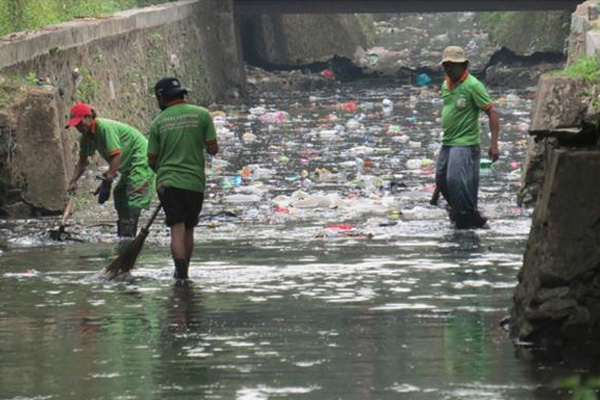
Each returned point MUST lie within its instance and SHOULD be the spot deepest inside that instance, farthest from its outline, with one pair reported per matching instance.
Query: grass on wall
(20, 15)
(585, 67)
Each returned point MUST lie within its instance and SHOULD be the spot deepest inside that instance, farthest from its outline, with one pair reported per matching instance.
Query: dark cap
(169, 87)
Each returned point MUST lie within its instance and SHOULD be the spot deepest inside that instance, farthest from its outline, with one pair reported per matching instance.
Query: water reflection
(373, 296)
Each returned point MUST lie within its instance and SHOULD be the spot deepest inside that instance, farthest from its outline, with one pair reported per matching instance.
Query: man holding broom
(124, 148)
(179, 135)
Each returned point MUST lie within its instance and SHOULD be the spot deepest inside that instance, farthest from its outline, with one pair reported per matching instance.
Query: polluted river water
(321, 271)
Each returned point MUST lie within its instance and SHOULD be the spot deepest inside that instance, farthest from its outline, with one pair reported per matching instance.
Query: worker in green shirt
(124, 148)
(179, 136)
(457, 167)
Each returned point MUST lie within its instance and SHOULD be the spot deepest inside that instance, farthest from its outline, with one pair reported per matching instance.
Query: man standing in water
(179, 135)
(457, 168)
(124, 148)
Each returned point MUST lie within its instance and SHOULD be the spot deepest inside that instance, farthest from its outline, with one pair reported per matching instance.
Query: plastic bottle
(359, 165)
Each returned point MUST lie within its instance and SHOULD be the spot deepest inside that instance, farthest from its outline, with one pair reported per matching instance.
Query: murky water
(372, 295)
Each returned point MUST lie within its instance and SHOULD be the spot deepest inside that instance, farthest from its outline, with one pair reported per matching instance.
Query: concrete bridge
(395, 6)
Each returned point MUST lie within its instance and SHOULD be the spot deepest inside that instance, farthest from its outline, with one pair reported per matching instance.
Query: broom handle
(153, 216)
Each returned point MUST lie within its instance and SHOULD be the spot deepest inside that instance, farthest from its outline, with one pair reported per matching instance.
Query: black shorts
(181, 205)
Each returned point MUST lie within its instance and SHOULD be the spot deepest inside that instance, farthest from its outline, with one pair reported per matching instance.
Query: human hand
(494, 152)
(72, 187)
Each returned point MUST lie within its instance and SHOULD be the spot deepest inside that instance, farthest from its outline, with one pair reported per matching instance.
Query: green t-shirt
(178, 137)
(460, 114)
(111, 138)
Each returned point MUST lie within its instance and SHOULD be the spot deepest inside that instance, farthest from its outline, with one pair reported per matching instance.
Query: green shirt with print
(177, 141)
(109, 138)
(460, 113)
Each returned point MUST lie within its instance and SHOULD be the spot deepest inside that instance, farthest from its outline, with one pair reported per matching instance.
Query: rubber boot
(181, 269)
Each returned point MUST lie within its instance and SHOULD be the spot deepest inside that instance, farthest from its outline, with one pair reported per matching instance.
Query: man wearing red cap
(124, 148)
(179, 136)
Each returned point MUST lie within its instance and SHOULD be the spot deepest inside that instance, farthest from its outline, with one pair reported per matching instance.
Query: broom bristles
(126, 261)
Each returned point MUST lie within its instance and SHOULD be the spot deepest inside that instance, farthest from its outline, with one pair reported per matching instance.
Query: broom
(126, 261)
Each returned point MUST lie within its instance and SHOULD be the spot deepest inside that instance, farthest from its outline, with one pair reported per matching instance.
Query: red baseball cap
(78, 111)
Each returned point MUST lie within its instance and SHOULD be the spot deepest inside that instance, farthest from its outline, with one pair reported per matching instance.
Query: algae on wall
(299, 39)
(527, 32)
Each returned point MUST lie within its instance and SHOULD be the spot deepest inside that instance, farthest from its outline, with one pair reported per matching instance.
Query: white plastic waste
(414, 163)
(387, 106)
(241, 198)
(353, 124)
(258, 110)
(248, 137)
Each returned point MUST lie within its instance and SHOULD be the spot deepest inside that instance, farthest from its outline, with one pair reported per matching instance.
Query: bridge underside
(395, 6)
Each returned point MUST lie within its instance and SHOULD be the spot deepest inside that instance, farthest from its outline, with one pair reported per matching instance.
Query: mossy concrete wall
(525, 33)
(112, 64)
(292, 40)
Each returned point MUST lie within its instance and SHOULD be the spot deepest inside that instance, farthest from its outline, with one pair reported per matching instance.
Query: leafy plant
(87, 89)
(585, 67)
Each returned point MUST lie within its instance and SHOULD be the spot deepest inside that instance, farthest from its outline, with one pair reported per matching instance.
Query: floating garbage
(343, 227)
(328, 73)
(353, 124)
(277, 117)
(237, 181)
(414, 163)
(241, 198)
(249, 137)
(349, 106)
(418, 163)
(260, 110)
(422, 80)
(387, 106)
(485, 163)
(393, 130)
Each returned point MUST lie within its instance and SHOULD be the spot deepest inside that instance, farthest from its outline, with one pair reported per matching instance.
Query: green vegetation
(88, 87)
(19, 15)
(585, 67)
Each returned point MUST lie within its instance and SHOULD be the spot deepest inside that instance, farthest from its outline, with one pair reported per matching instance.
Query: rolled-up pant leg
(462, 180)
(128, 221)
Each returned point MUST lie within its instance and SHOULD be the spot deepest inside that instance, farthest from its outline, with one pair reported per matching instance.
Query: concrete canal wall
(111, 63)
(558, 294)
(275, 41)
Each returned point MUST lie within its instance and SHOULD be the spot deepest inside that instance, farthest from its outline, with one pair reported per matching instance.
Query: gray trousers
(457, 177)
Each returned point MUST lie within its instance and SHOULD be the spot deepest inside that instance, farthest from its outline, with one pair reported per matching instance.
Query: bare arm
(113, 167)
(494, 151)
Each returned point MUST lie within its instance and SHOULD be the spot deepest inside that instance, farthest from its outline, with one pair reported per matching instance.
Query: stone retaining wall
(557, 298)
(111, 63)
